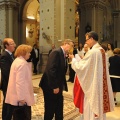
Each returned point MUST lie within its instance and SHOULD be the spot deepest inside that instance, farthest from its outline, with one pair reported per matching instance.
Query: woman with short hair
(114, 70)
(20, 88)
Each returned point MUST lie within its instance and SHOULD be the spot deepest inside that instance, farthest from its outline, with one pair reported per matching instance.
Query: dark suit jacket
(114, 68)
(5, 64)
(49, 52)
(54, 75)
(33, 56)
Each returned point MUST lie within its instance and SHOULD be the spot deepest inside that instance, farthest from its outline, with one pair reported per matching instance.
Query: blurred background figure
(105, 48)
(114, 70)
(35, 57)
(53, 47)
(80, 50)
(86, 48)
(110, 49)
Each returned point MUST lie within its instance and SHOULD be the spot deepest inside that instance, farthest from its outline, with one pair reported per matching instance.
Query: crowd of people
(95, 65)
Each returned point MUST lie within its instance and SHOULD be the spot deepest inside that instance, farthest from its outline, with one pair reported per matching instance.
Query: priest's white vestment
(91, 71)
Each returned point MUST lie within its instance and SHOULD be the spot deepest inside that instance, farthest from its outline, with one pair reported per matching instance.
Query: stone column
(3, 21)
(23, 32)
(69, 18)
(116, 32)
(47, 12)
(8, 10)
(62, 19)
(92, 13)
(57, 22)
(10, 21)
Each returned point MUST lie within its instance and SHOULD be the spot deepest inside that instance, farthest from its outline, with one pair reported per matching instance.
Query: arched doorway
(31, 22)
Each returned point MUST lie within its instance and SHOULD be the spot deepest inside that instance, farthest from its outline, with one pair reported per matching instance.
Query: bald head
(9, 44)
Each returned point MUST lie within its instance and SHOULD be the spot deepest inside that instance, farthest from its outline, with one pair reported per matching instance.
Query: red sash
(78, 95)
(106, 102)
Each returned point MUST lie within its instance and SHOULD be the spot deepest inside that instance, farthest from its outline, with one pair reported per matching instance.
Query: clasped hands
(22, 102)
(71, 56)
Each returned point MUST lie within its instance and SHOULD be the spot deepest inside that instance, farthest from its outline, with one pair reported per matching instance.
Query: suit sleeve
(5, 65)
(52, 70)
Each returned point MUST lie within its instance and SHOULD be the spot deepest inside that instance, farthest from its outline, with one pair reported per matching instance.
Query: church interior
(47, 22)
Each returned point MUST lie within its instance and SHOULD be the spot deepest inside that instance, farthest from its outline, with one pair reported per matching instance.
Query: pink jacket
(20, 83)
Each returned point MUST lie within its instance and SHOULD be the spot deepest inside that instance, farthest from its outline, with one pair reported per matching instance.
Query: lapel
(9, 56)
(63, 69)
(63, 60)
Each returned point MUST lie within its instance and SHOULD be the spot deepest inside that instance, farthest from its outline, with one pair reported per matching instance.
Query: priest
(94, 80)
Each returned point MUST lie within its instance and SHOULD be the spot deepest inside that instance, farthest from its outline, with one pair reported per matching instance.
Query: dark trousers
(9, 112)
(6, 109)
(53, 104)
(35, 61)
(71, 74)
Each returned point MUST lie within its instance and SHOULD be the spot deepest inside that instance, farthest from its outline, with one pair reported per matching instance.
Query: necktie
(65, 58)
(12, 56)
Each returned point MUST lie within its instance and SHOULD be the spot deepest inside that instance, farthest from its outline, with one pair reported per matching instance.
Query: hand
(71, 56)
(22, 102)
(56, 91)
(81, 57)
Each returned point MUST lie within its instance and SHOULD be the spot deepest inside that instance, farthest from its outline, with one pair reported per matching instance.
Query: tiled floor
(115, 115)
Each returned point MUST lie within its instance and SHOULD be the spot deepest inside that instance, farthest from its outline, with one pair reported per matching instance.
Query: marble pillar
(92, 15)
(9, 20)
(116, 20)
(57, 22)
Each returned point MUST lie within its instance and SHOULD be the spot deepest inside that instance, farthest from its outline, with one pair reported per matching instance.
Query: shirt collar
(8, 51)
(63, 50)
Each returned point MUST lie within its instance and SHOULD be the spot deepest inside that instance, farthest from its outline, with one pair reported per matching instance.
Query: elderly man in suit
(53, 81)
(6, 60)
